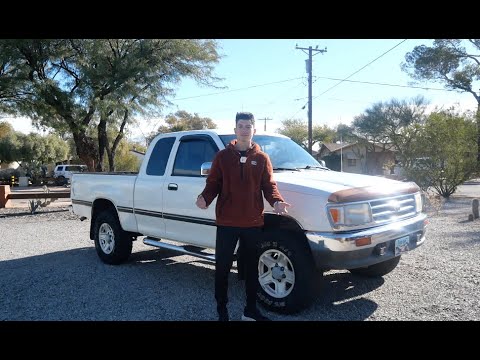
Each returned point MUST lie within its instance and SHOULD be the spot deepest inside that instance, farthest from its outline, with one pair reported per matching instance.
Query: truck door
(184, 221)
(148, 196)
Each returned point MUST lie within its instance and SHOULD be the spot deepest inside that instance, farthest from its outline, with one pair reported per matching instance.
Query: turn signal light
(363, 241)
(335, 215)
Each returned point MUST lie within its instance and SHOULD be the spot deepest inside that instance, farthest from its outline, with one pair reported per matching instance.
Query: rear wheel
(61, 181)
(379, 269)
(113, 245)
(286, 272)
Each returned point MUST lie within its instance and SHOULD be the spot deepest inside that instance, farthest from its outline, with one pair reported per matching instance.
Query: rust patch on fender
(373, 192)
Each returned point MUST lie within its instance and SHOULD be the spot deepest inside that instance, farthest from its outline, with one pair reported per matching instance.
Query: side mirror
(205, 168)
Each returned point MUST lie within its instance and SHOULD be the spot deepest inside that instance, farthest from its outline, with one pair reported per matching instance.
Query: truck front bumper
(344, 250)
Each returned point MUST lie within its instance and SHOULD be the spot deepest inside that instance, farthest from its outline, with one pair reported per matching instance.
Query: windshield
(284, 153)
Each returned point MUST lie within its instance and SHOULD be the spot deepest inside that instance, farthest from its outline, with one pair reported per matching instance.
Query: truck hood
(342, 185)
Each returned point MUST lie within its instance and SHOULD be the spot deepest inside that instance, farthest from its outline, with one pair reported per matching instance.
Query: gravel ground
(50, 271)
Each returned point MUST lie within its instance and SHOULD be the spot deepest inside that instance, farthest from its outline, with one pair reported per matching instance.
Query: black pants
(227, 237)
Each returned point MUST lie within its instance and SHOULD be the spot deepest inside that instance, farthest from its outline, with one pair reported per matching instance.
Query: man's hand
(201, 203)
(280, 207)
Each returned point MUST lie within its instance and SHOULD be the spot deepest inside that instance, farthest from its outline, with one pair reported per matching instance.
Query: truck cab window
(191, 155)
(159, 156)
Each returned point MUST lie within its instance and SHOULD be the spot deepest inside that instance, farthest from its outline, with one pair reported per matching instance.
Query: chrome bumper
(339, 250)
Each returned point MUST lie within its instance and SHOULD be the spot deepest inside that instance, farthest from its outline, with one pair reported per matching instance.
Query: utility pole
(265, 124)
(309, 67)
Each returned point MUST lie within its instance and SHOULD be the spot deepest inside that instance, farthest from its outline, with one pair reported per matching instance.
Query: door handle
(172, 186)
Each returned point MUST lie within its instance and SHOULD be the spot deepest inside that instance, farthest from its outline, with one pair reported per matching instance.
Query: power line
(384, 84)
(239, 89)
(363, 67)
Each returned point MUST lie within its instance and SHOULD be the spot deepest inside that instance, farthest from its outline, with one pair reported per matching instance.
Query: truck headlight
(350, 215)
(418, 202)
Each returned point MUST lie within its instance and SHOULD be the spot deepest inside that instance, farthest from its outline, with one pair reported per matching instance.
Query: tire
(286, 272)
(61, 181)
(379, 269)
(113, 245)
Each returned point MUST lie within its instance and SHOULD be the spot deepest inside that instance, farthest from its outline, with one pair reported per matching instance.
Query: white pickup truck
(336, 220)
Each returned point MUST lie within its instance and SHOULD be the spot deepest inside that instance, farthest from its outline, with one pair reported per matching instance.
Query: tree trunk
(111, 160)
(111, 152)
(102, 143)
(478, 136)
(86, 150)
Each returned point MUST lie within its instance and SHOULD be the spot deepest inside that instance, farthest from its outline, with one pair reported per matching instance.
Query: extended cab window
(73, 168)
(159, 156)
(191, 154)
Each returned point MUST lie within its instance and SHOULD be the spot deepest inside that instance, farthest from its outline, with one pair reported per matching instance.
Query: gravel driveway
(50, 271)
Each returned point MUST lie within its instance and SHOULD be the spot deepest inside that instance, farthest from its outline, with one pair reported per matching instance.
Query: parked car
(63, 173)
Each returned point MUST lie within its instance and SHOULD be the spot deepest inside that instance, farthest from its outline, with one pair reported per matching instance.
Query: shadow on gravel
(38, 212)
(76, 285)
(153, 285)
(339, 298)
(467, 238)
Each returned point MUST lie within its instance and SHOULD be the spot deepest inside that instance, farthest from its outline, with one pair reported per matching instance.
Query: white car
(63, 173)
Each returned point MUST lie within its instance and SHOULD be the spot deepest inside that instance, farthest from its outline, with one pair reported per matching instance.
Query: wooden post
(475, 208)
(4, 192)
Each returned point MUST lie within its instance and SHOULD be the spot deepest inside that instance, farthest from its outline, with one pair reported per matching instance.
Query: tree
(9, 148)
(297, 130)
(125, 160)
(72, 85)
(445, 152)
(182, 120)
(5, 129)
(392, 125)
(32, 150)
(449, 62)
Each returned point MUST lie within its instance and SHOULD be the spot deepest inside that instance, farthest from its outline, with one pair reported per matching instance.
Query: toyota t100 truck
(336, 220)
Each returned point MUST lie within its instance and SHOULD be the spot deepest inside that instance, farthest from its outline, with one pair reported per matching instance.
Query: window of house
(352, 162)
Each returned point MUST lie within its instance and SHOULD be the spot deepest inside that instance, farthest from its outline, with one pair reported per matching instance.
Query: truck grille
(390, 209)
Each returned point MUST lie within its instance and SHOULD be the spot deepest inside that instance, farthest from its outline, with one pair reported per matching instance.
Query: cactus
(33, 205)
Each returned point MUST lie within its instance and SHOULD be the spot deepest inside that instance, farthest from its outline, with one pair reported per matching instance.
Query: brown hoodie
(239, 186)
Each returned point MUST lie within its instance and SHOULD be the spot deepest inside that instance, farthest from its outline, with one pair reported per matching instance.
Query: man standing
(239, 174)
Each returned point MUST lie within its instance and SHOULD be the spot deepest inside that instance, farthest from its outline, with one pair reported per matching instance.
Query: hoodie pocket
(222, 201)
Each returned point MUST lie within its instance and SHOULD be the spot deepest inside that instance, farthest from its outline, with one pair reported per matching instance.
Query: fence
(6, 195)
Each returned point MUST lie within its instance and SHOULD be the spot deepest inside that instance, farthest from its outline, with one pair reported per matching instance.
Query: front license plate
(402, 245)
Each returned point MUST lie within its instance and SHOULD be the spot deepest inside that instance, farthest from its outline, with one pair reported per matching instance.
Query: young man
(239, 174)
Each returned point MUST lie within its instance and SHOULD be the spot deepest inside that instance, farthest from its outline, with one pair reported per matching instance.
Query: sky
(268, 78)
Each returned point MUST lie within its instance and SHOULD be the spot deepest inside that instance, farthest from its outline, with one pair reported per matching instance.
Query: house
(357, 158)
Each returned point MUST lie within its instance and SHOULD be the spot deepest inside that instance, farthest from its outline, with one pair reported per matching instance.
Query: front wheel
(113, 245)
(379, 269)
(286, 272)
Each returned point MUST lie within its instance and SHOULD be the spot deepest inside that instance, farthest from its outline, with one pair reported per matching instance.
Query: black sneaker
(254, 316)
(223, 314)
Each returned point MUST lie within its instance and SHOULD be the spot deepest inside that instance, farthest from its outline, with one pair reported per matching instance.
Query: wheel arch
(285, 223)
(98, 206)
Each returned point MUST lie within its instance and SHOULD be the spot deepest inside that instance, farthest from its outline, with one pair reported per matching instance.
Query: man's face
(244, 130)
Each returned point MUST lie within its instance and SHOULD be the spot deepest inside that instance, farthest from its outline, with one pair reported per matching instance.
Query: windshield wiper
(283, 168)
(313, 167)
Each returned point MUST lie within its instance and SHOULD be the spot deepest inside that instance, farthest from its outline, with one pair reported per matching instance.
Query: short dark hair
(245, 116)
